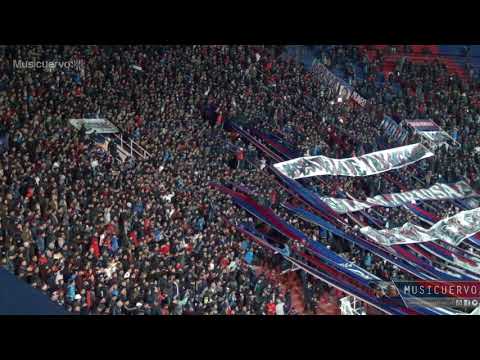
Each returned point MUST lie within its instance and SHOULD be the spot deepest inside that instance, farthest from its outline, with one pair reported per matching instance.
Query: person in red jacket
(89, 299)
(271, 308)
(240, 155)
(230, 311)
(94, 247)
(224, 262)
(133, 238)
(29, 193)
(42, 260)
(220, 119)
(138, 120)
(165, 249)
(147, 225)
(273, 197)
(110, 229)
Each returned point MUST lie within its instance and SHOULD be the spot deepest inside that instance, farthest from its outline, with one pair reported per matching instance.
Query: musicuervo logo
(50, 66)
(463, 294)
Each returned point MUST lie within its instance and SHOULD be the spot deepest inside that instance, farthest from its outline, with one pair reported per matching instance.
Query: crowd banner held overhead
(437, 137)
(431, 219)
(100, 126)
(431, 132)
(344, 90)
(455, 229)
(365, 165)
(405, 260)
(394, 131)
(402, 258)
(452, 230)
(407, 234)
(459, 190)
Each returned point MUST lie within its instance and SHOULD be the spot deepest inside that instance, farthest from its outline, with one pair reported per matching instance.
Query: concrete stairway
(291, 281)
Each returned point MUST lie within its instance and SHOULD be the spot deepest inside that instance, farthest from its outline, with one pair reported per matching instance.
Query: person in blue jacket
(249, 257)
(71, 290)
(115, 245)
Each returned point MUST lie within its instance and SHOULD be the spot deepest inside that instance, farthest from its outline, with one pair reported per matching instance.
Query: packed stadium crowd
(148, 236)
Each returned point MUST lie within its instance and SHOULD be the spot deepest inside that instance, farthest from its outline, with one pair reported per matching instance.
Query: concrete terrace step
(417, 57)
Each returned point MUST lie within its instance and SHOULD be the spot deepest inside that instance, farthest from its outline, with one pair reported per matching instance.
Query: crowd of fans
(147, 236)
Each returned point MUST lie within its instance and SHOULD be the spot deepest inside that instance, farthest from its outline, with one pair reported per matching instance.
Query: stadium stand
(184, 210)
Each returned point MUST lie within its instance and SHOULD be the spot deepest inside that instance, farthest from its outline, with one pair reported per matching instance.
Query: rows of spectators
(135, 237)
(338, 131)
(147, 236)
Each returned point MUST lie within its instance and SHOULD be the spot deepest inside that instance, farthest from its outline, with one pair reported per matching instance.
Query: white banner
(455, 229)
(452, 230)
(393, 130)
(438, 137)
(407, 234)
(341, 87)
(459, 190)
(100, 126)
(368, 164)
(429, 130)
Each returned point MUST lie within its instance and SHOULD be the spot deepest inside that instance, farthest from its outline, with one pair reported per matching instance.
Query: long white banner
(368, 164)
(458, 190)
(452, 230)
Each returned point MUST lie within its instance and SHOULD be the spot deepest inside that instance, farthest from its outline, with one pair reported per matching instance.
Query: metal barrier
(131, 147)
(349, 305)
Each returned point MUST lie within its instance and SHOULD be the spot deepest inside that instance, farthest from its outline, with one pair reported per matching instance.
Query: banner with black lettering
(365, 165)
(455, 229)
(459, 190)
(452, 230)
(407, 234)
(393, 129)
(340, 86)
